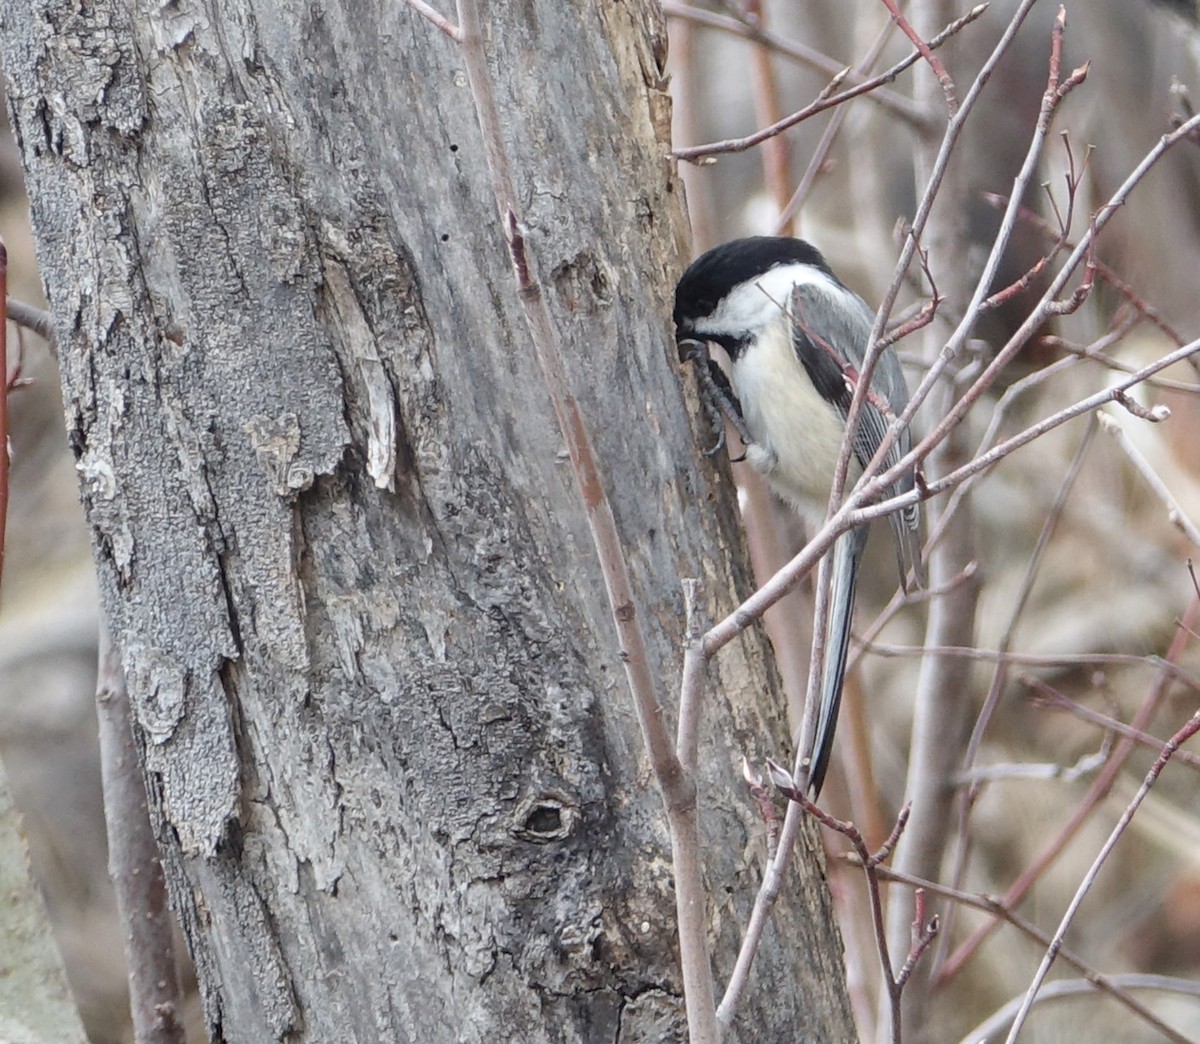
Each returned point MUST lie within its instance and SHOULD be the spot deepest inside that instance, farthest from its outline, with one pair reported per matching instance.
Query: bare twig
(1085, 766)
(775, 154)
(823, 102)
(1180, 737)
(1049, 697)
(1106, 984)
(134, 864)
(443, 24)
(926, 52)
(34, 319)
(820, 155)
(1097, 792)
(1176, 515)
(1000, 672)
(1094, 352)
(766, 807)
(871, 488)
(894, 102)
(1036, 317)
(1138, 303)
(1172, 671)
(1073, 987)
(1050, 103)
(924, 932)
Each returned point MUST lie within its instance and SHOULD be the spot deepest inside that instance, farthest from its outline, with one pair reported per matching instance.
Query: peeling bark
(392, 761)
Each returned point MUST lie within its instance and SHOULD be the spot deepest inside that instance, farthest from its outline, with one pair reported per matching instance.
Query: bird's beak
(690, 349)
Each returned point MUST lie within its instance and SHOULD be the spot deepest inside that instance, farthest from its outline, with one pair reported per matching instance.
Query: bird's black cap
(716, 272)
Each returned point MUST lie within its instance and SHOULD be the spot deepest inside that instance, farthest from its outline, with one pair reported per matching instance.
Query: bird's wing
(830, 330)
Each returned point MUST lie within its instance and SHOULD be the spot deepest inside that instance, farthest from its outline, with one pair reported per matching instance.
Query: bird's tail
(847, 551)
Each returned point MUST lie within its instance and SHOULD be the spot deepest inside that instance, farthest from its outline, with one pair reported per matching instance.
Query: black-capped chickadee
(796, 338)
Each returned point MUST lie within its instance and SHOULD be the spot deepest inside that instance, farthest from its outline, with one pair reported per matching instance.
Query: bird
(796, 338)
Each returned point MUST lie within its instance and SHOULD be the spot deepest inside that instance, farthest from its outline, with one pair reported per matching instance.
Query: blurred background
(1104, 601)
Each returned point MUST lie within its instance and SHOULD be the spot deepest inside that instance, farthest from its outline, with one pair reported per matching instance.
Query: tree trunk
(393, 762)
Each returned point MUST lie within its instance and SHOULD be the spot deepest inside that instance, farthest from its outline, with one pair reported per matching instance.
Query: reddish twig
(1062, 240)
(766, 807)
(1103, 271)
(775, 154)
(924, 932)
(926, 52)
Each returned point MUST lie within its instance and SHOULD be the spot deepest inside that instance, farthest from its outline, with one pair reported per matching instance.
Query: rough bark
(393, 765)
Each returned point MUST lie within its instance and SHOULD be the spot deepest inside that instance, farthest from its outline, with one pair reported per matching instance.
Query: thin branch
(442, 23)
(1085, 886)
(1176, 514)
(926, 52)
(155, 1000)
(871, 488)
(895, 103)
(1106, 984)
(1032, 322)
(1050, 103)
(1097, 792)
(775, 154)
(1094, 352)
(1049, 697)
(1073, 987)
(823, 101)
(34, 319)
(691, 694)
(924, 932)
(1087, 765)
(1105, 272)
(1173, 671)
(766, 807)
(1000, 671)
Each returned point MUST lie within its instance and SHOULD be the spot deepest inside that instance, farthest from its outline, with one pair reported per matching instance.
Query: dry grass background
(1114, 579)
